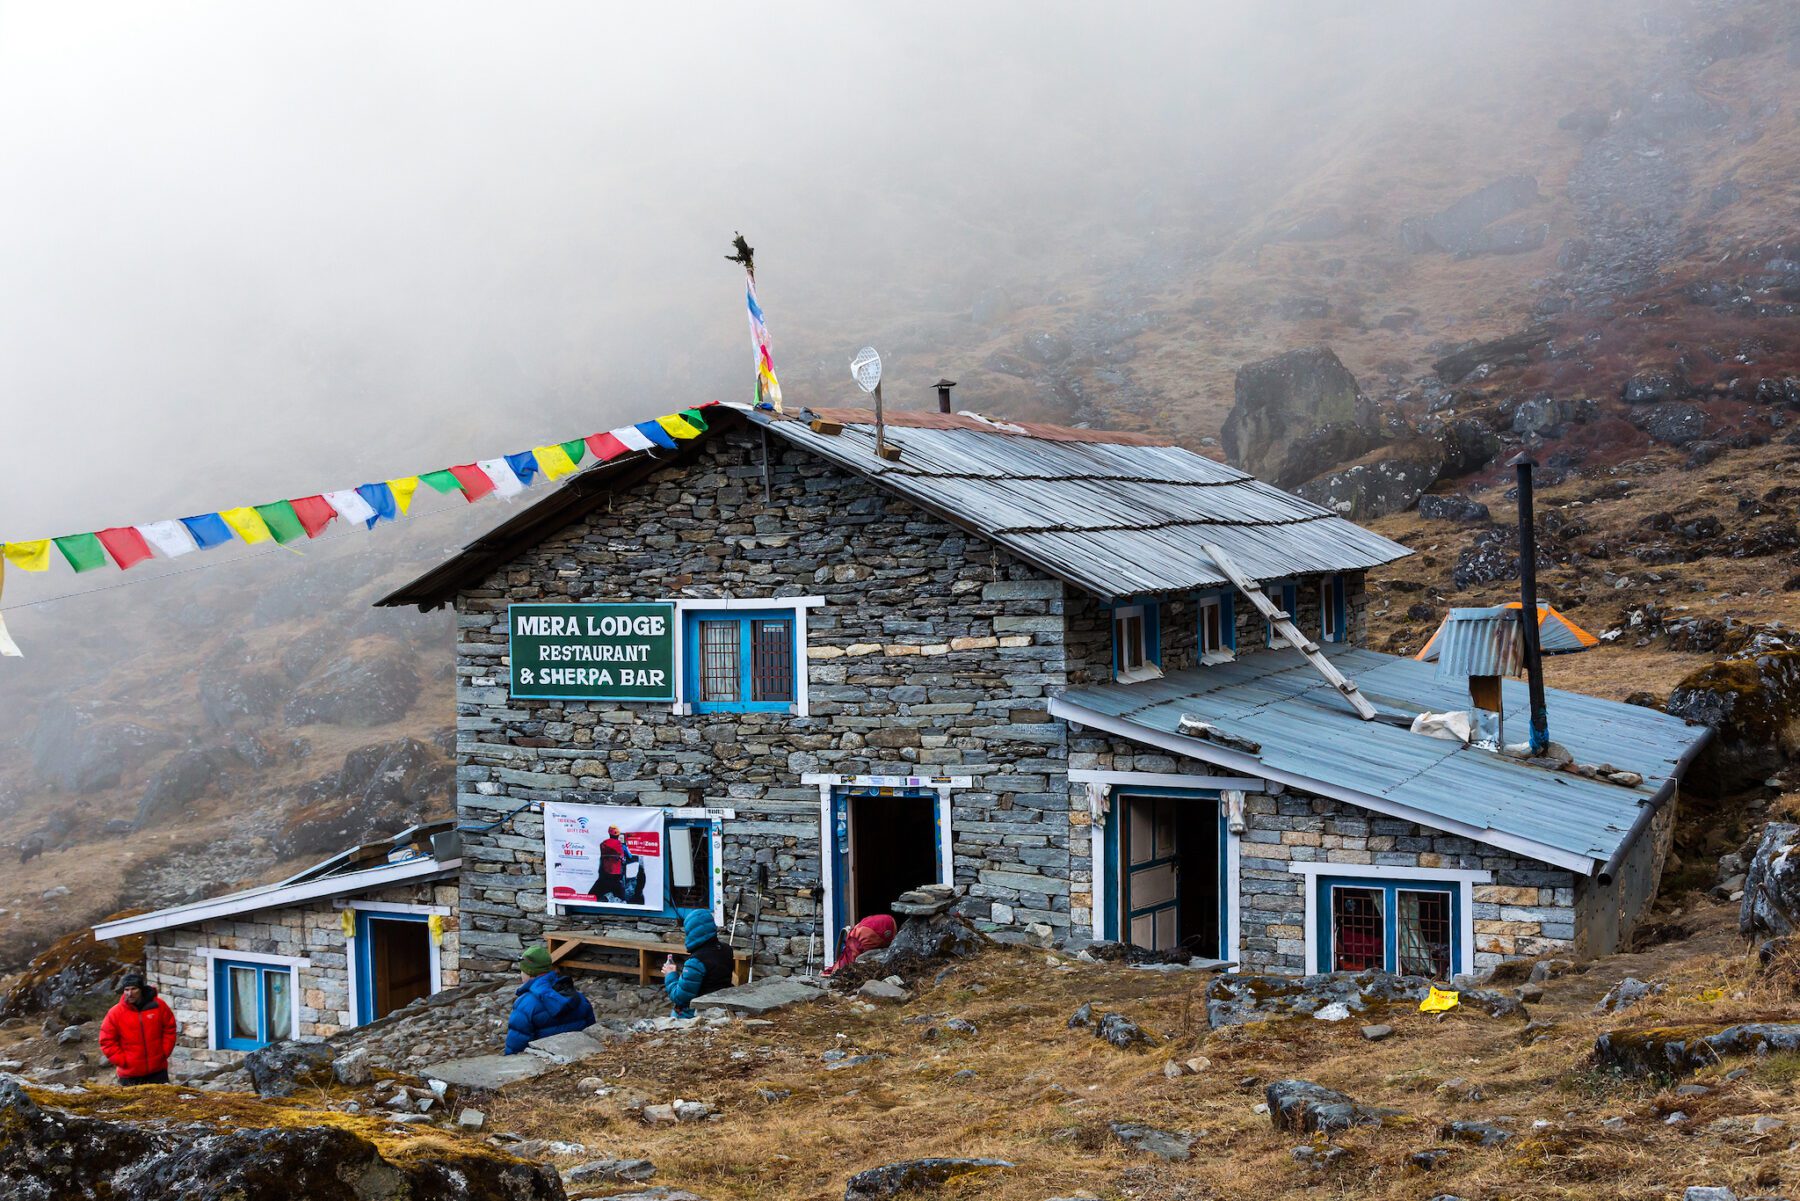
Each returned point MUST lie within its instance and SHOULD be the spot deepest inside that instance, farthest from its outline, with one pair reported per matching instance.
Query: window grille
(772, 657)
(1424, 934)
(1356, 929)
(719, 665)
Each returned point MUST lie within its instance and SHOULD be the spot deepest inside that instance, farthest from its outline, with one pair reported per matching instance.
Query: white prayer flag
(169, 539)
(506, 480)
(350, 505)
(632, 437)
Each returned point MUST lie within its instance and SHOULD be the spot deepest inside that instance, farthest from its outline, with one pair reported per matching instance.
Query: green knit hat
(535, 961)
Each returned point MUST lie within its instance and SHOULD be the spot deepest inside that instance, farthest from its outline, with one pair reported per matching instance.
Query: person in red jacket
(138, 1033)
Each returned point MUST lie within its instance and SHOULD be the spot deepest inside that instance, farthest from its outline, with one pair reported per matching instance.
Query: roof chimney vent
(943, 389)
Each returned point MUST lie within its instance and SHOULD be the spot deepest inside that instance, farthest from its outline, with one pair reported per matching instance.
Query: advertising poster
(605, 855)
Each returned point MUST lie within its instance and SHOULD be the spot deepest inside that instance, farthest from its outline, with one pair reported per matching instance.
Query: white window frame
(1276, 592)
(1464, 878)
(1221, 653)
(353, 952)
(292, 962)
(683, 706)
(1328, 610)
(1149, 669)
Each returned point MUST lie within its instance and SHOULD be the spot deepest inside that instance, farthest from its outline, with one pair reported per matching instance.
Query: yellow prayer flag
(403, 489)
(677, 428)
(32, 556)
(1439, 1000)
(248, 523)
(347, 919)
(553, 461)
(435, 924)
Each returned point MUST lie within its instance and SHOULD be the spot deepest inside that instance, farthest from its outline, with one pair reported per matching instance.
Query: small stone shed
(1003, 656)
(339, 945)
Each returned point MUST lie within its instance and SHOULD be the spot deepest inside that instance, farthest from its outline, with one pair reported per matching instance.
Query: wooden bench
(566, 948)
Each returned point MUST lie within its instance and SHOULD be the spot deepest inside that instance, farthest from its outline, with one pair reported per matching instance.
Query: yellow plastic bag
(1711, 995)
(1439, 1000)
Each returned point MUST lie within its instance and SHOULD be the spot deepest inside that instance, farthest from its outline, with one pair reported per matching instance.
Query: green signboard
(592, 652)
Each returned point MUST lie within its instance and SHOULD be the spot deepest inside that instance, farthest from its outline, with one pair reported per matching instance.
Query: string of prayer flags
(768, 388)
(126, 546)
(32, 556)
(305, 517)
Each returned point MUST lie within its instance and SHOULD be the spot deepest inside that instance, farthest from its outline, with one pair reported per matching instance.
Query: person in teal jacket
(547, 1003)
(707, 968)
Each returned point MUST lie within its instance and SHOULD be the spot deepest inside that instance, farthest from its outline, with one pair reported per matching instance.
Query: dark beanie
(132, 980)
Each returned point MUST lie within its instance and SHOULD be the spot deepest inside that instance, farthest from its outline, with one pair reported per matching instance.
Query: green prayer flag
(575, 450)
(443, 481)
(693, 418)
(284, 524)
(83, 551)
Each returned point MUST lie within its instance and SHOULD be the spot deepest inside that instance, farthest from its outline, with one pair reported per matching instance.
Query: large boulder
(915, 1175)
(72, 752)
(1462, 227)
(50, 1154)
(1279, 401)
(177, 784)
(1753, 707)
(280, 1069)
(1771, 902)
(1320, 449)
(1513, 350)
(229, 694)
(1673, 423)
(1303, 1106)
(357, 691)
(1669, 1051)
(1370, 490)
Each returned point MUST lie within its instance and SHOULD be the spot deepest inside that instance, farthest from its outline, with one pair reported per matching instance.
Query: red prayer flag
(605, 446)
(125, 545)
(314, 512)
(475, 482)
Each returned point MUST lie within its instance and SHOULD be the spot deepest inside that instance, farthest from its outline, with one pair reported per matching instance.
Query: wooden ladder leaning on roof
(1284, 623)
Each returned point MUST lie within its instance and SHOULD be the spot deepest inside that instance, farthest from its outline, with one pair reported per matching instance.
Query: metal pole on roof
(1528, 607)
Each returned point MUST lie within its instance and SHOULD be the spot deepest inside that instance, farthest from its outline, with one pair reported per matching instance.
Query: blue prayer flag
(524, 465)
(209, 530)
(656, 433)
(381, 499)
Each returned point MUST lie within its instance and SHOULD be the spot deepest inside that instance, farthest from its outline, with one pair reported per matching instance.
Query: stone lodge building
(1011, 657)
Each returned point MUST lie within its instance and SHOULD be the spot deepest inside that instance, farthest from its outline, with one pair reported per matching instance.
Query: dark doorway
(893, 848)
(1169, 854)
(400, 956)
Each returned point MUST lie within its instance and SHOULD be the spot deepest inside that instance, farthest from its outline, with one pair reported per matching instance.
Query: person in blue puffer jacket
(708, 966)
(548, 1003)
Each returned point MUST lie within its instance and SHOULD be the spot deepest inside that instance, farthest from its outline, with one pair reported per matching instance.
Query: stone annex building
(1003, 656)
(1009, 657)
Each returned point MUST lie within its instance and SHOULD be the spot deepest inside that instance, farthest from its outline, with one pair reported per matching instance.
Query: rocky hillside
(1591, 256)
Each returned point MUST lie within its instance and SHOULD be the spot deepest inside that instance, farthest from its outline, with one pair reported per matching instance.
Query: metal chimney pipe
(1528, 607)
(943, 389)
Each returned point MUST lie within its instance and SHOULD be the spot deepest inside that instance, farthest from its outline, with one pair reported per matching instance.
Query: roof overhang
(1249, 765)
(275, 896)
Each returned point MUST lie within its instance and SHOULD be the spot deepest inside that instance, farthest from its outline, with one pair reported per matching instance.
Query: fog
(254, 251)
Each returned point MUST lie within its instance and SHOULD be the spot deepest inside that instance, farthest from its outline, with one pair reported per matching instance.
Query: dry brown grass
(1042, 1095)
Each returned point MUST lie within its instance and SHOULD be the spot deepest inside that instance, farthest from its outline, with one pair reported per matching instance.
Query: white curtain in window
(244, 1007)
(278, 1005)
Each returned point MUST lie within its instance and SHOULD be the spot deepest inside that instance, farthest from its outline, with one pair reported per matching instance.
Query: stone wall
(1528, 909)
(933, 654)
(313, 931)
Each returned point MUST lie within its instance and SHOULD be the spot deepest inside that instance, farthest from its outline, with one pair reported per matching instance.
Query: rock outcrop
(1753, 707)
(1771, 904)
(1281, 400)
(51, 1154)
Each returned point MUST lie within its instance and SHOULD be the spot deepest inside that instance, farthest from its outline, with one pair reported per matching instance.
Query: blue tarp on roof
(1275, 698)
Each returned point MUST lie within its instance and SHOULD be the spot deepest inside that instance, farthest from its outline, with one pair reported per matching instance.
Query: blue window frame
(739, 661)
(1412, 927)
(1283, 595)
(695, 883)
(1137, 640)
(253, 1004)
(1216, 616)
(1331, 609)
(366, 1008)
(1119, 914)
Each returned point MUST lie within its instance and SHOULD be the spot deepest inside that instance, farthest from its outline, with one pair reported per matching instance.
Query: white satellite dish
(865, 368)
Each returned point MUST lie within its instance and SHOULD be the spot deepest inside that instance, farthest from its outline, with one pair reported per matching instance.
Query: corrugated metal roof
(1479, 642)
(1275, 698)
(1116, 519)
